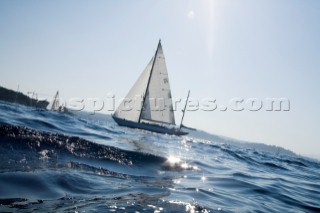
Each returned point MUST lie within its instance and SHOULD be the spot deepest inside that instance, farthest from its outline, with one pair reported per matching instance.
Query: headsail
(130, 107)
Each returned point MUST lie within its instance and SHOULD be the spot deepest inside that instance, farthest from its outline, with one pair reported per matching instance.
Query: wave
(25, 139)
(55, 162)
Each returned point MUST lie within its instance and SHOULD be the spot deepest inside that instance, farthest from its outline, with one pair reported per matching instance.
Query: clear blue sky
(220, 49)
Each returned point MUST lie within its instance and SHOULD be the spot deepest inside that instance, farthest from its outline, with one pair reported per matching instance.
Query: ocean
(54, 162)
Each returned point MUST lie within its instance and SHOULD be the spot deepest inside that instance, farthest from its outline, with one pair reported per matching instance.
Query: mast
(145, 94)
(184, 110)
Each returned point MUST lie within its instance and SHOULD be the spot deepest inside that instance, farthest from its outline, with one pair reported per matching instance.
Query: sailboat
(54, 105)
(148, 105)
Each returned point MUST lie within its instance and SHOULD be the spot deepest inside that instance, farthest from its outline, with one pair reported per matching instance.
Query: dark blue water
(53, 162)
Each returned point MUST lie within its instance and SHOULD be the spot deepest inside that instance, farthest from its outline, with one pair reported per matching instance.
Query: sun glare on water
(173, 160)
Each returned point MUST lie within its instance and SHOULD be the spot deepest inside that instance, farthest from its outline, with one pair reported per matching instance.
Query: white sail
(152, 89)
(130, 107)
(158, 101)
(54, 103)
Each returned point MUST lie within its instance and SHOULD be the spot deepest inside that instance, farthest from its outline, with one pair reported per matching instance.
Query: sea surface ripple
(53, 162)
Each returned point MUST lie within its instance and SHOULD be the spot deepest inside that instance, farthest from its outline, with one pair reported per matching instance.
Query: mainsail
(150, 100)
(158, 102)
(54, 104)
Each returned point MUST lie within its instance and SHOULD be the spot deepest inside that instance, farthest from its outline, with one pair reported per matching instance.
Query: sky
(223, 50)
